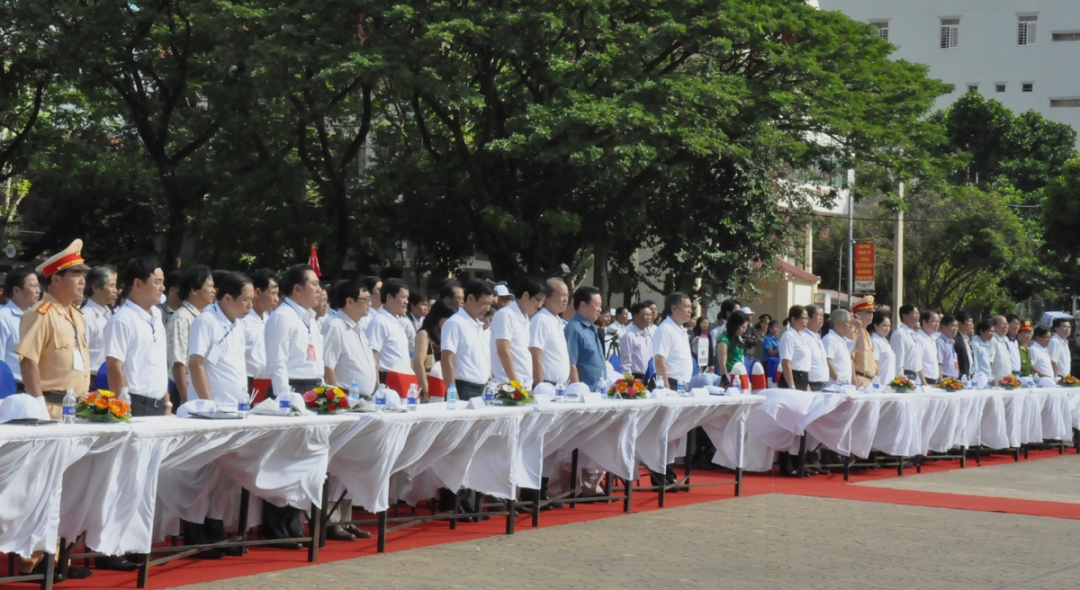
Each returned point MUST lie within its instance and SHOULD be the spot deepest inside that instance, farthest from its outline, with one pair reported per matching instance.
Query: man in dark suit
(965, 359)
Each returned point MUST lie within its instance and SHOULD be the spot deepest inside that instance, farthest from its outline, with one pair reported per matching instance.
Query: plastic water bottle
(283, 404)
(560, 393)
(489, 394)
(125, 396)
(243, 407)
(69, 407)
(354, 394)
(737, 384)
(451, 397)
(412, 399)
(380, 398)
(682, 389)
(876, 384)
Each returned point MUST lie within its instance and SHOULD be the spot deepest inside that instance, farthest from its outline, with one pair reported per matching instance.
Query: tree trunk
(174, 231)
(600, 272)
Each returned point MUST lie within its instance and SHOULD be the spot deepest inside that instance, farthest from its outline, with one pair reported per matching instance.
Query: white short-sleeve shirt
(908, 350)
(221, 345)
(838, 350)
(672, 343)
(886, 359)
(795, 347)
(928, 350)
(255, 343)
(386, 335)
(819, 368)
(546, 334)
(347, 352)
(1040, 360)
(511, 324)
(1059, 353)
(137, 338)
(465, 337)
(294, 345)
(96, 316)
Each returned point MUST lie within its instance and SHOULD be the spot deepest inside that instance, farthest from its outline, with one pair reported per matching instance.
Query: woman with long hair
(701, 345)
(879, 329)
(427, 350)
(730, 346)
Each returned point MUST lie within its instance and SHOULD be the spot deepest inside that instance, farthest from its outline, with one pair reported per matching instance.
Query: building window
(1067, 36)
(1065, 102)
(950, 32)
(883, 28)
(999, 87)
(1027, 87)
(973, 87)
(1026, 30)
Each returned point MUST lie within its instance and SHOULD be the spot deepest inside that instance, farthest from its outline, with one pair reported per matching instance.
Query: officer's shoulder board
(44, 307)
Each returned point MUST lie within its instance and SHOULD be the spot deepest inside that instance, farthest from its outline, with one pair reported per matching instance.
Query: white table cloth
(411, 455)
(34, 466)
(909, 424)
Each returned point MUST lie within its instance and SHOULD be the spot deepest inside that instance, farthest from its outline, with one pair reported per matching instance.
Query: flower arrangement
(513, 394)
(103, 406)
(1008, 382)
(902, 383)
(950, 384)
(1070, 381)
(327, 400)
(628, 388)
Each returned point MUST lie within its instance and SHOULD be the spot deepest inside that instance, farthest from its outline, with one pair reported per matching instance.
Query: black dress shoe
(286, 546)
(116, 563)
(79, 573)
(336, 533)
(357, 532)
(233, 551)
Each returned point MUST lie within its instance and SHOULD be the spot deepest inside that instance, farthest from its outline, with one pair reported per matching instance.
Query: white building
(1023, 53)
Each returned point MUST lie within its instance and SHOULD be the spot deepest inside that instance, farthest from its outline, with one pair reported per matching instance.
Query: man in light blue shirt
(23, 290)
(982, 347)
(587, 363)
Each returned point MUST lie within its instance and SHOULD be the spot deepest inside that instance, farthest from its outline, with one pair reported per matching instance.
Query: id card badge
(214, 355)
(311, 352)
(76, 359)
(703, 352)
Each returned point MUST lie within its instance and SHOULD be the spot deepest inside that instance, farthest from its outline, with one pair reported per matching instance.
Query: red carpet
(184, 572)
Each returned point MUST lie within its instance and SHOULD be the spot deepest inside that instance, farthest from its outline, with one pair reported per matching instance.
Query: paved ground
(1054, 480)
(766, 542)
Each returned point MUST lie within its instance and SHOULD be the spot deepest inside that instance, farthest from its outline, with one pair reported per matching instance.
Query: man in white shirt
(795, 351)
(1002, 365)
(1040, 358)
(819, 365)
(374, 286)
(510, 357)
(671, 347)
(216, 344)
(620, 321)
(909, 357)
(946, 346)
(294, 362)
(1011, 342)
(135, 349)
(655, 317)
(347, 354)
(547, 343)
(22, 288)
(929, 321)
(386, 332)
(418, 308)
(100, 295)
(1059, 347)
(466, 348)
(265, 282)
(838, 346)
(635, 347)
(196, 291)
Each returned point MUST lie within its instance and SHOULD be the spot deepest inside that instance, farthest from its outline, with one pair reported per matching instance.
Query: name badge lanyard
(307, 326)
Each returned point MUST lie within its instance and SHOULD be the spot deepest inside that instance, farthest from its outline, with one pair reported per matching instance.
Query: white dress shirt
(136, 338)
(1059, 353)
(635, 351)
(672, 343)
(930, 361)
(886, 360)
(221, 345)
(946, 349)
(294, 347)
(546, 334)
(346, 350)
(96, 316)
(819, 368)
(511, 324)
(1002, 365)
(255, 344)
(465, 337)
(838, 350)
(1040, 360)
(908, 351)
(796, 348)
(365, 322)
(1014, 354)
(10, 316)
(386, 335)
(411, 326)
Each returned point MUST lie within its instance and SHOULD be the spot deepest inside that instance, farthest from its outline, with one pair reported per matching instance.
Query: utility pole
(898, 264)
(850, 238)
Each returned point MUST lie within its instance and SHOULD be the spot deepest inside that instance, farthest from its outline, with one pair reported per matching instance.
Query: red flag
(313, 261)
